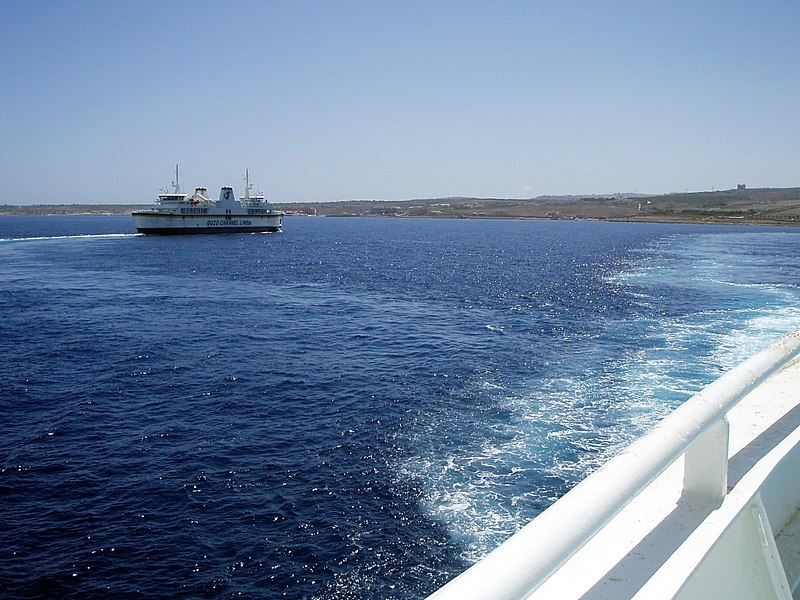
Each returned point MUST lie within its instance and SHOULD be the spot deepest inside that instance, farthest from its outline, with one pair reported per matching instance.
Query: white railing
(698, 430)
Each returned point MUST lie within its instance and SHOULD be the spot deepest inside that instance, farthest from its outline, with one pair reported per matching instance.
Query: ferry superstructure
(706, 505)
(179, 213)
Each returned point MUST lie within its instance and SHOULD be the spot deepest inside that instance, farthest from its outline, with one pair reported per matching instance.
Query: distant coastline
(764, 206)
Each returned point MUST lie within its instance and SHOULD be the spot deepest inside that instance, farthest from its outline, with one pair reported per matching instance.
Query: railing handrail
(517, 567)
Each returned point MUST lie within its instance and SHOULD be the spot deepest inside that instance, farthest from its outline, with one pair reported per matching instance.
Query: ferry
(705, 505)
(179, 213)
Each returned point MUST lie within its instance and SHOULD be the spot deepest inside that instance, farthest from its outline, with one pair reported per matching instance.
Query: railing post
(705, 469)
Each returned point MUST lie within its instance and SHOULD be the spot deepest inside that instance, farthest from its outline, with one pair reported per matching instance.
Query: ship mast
(176, 184)
(247, 185)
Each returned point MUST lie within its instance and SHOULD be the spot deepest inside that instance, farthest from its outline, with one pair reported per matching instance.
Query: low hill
(777, 206)
(774, 206)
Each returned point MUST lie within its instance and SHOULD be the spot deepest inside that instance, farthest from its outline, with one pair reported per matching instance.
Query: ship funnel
(226, 195)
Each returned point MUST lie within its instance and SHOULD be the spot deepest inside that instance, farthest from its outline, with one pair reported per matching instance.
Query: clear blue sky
(331, 100)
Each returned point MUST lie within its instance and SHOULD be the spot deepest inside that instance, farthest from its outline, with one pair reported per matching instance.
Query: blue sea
(350, 409)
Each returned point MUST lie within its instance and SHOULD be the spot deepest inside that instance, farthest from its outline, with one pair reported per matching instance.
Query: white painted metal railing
(697, 430)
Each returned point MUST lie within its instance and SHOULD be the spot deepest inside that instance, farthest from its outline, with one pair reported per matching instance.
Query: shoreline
(674, 219)
(763, 206)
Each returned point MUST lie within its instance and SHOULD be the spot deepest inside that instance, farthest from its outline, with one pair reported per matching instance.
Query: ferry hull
(189, 230)
(161, 224)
